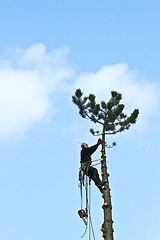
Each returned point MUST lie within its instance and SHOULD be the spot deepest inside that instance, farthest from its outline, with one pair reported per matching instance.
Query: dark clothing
(93, 173)
(86, 162)
(87, 152)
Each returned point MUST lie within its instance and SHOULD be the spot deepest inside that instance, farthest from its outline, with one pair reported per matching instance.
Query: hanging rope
(86, 189)
(88, 210)
(86, 215)
(90, 219)
(86, 195)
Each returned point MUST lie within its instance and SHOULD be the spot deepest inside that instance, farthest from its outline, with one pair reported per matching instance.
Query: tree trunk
(107, 226)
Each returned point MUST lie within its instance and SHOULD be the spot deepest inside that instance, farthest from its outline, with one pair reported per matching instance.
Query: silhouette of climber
(86, 161)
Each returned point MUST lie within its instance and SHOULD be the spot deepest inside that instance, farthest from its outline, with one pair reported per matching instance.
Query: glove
(99, 141)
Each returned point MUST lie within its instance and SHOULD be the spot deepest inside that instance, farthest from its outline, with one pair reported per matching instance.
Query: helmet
(84, 145)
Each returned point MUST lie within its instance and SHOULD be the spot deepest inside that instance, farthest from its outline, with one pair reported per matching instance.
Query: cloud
(28, 80)
(137, 92)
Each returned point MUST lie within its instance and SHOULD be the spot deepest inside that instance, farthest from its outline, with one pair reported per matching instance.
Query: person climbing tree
(86, 161)
(110, 116)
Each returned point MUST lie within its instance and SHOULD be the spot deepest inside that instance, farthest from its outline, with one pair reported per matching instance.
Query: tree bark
(107, 226)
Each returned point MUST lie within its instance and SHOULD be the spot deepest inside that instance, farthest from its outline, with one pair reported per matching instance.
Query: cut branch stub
(105, 205)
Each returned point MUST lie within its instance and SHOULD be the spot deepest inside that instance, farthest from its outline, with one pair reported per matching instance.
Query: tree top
(109, 114)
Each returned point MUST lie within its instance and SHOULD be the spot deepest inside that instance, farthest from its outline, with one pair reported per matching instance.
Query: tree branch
(97, 121)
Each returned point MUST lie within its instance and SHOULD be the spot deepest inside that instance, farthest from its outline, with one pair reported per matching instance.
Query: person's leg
(93, 174)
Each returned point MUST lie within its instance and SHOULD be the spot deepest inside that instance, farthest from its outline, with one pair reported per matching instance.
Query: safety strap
(85, 167)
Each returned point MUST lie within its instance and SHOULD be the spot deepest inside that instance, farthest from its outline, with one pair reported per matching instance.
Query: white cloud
(136, 91)
(30, 78)
(27, 80)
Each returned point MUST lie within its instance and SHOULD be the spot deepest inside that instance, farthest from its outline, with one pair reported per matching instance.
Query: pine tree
(112, 119)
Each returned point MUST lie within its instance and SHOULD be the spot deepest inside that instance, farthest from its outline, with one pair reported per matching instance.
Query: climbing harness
(85, 167)
(85, 215)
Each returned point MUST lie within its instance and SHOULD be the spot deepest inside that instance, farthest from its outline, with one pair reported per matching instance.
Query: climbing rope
(86, 215)
(86, 210)
(90, 219)
(96, 163)
(96, 160)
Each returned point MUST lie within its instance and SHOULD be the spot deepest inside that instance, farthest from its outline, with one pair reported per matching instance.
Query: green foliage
(114, 144)
(109, 114)
(92, 131)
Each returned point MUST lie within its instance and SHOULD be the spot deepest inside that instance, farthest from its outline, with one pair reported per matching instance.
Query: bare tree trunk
(107, 226)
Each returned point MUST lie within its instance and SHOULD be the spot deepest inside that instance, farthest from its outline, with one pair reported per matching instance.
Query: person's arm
(93, 148)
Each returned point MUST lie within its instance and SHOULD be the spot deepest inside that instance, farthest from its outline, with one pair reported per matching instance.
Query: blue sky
(47, 50)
